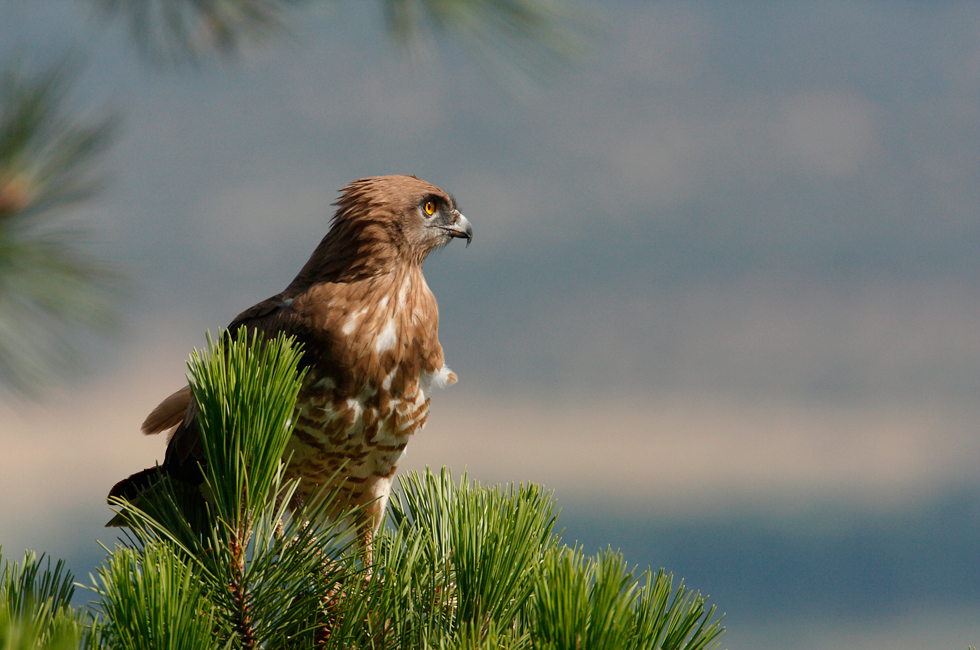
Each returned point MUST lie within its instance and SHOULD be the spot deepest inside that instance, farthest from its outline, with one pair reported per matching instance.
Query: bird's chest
(362, 433)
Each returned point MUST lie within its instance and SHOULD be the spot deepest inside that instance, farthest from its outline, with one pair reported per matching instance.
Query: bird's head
(404, 213)
(381, 223)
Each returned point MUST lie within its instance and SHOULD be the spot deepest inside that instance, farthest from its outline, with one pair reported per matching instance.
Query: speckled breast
(363, 436)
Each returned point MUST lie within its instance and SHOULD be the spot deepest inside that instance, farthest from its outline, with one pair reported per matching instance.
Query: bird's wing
(178, 411)
(269, 316)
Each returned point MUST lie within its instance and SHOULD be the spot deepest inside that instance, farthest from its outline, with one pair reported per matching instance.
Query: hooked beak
(460, 228)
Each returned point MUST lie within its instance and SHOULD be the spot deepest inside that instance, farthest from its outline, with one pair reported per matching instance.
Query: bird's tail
(168, 414)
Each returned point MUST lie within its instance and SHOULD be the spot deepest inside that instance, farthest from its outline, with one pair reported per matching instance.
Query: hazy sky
(727, 263)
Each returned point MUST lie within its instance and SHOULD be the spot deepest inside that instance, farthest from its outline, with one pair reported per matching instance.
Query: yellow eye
(429, 207)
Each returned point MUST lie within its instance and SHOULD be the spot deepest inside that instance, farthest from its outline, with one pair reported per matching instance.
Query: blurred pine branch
(48, 282)
(510, 39)
(179, 31)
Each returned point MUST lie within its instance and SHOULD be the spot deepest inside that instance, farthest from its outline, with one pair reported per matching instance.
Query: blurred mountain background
(722, 298)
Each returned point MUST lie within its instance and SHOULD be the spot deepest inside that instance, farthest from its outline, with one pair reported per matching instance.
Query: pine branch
(48, 283)
(241, 609)
(151, 598)
(513, 40)
(35, 606)
(245, 390)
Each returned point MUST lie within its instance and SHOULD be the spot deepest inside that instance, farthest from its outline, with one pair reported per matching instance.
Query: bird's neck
(348, 255)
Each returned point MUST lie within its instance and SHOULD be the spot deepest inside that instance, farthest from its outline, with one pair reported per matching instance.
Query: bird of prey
(369, 327)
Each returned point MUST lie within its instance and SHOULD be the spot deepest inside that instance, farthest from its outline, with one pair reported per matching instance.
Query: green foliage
(152, 599)
(35, 610)
(31, 583)
(45, 159)
(596, 603)
(499, 538)
(245, 393)
(459, 560)
(493, 538)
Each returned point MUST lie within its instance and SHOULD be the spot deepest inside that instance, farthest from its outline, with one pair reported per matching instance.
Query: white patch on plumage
(351, 321)
(386, 339)
(382, 303)
(386, 383)
(442, 379)
(356, 406)
(402, 293)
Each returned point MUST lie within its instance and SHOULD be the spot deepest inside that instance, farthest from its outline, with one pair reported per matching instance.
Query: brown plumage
(369, 326)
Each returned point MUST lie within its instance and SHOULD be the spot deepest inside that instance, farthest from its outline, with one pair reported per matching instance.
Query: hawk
(369, 327)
